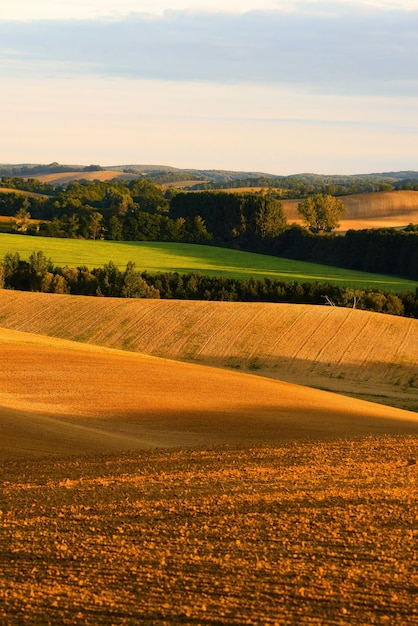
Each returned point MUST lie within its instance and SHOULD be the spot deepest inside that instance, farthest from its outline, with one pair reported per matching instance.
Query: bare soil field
(292, 534)
(59, 397)
(370, 210)
(359, 353)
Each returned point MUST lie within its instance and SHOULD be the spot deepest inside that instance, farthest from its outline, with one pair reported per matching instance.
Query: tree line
(301, 186)
(38, 273)
(383, 250)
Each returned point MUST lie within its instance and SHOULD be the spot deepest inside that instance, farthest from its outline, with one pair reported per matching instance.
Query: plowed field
(368, 355)
(296, 534)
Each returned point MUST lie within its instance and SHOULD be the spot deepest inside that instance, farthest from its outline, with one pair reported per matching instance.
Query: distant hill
(215, 178)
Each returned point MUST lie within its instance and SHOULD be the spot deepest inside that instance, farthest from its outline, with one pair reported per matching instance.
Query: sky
(275, 86)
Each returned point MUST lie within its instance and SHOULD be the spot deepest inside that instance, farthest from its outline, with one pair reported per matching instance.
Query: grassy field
(173, 257)
(313, 534)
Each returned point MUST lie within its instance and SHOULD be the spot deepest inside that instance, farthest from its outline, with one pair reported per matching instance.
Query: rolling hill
(150, 490)
(266, 501)
(59, 397)
(360, 353)
(389, 209)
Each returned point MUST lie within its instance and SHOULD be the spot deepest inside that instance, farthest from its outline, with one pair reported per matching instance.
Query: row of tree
(39, 274)
(383, 251)
(301, 186)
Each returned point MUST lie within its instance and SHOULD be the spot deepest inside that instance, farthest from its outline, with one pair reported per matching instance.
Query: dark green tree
(321, 212)
(267, 218)
(134, 286)
(114, 229)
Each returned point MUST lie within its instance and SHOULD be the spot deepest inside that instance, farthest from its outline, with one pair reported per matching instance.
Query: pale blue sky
(281, 87)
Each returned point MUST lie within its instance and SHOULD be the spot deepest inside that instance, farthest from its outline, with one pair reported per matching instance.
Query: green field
(183, 258)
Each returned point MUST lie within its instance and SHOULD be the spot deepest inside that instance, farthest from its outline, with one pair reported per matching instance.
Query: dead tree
(328, 300)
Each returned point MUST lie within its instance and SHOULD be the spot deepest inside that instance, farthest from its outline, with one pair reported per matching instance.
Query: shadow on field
(29, 434)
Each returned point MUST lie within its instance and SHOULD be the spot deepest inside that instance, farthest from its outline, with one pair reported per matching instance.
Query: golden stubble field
(388, 209)
(61, 397)
(365, 354)
(62, 178)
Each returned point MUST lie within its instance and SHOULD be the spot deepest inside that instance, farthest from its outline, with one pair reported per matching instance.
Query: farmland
(370, 210)
(6, 224)
(57, 396)
(296, 533)
(161, 257)
(327, 347)
(193, 462)
(62, 178)
(30, 194)
(386, 209)
(137, 489)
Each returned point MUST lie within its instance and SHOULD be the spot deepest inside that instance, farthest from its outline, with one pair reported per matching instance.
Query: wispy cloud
(329, 86)
(341, 51)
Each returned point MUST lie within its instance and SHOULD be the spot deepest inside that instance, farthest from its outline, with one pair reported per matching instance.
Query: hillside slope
(62, 178)
(361, 353)
(370, 210)
(60, 397)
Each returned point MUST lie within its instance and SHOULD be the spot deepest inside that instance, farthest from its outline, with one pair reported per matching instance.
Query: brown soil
(308, 534)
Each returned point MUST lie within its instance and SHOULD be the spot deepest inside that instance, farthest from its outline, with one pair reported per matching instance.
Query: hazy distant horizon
(156, 166)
